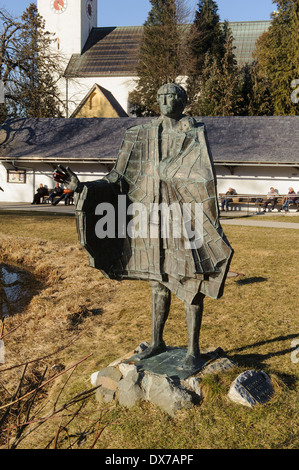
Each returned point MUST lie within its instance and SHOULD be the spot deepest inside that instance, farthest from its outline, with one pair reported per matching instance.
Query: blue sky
(134, 12)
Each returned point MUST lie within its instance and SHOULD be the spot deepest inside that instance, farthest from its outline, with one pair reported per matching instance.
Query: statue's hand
(67, 177)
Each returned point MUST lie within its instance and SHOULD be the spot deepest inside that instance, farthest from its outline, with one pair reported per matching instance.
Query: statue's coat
(175, 168)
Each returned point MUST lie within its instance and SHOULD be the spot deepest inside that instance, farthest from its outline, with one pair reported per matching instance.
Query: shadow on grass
(47, 215)
(251, 280)
(256, 360)
(77, 318)
(234, 217)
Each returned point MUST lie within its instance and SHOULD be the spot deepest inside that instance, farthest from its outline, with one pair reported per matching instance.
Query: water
(17, 287)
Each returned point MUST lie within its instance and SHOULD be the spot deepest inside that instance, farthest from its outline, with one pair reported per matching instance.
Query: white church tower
(71, 21)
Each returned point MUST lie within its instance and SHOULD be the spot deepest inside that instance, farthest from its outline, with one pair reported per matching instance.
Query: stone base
(160, 379)
(170, 362)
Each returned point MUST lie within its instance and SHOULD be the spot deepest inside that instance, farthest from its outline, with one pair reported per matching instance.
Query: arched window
(92, 96)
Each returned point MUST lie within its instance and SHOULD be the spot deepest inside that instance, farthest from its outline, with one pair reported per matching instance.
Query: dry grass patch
(255, 323)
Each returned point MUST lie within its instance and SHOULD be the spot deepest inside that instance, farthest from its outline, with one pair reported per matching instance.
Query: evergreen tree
(277, 55)
(37, 85)
(255, 91)
(159, 57)
(220, 93)
(206, 43)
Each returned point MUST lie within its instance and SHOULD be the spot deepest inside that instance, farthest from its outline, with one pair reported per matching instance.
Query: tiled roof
(108, 51)
(114, 51)
(233, 140)
(245, 34)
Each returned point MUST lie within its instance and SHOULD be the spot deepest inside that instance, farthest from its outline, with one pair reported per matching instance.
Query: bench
(46, 200)
(255, 200)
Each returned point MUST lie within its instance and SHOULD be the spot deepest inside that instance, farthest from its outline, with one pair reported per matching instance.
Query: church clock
(89, 8)
(58, 6)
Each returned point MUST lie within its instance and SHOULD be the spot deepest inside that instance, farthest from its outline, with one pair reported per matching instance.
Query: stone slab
(223, 364)
(251, 388)
(170, 363)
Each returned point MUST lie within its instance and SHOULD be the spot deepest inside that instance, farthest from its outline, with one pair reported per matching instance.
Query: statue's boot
(161, 297)
(193, 317)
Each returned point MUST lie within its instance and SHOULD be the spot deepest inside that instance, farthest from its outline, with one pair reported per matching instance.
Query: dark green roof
(114, 51)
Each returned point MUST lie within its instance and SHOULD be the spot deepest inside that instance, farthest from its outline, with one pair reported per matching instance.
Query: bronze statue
(165, 161)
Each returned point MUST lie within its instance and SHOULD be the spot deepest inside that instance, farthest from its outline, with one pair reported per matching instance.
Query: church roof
(235, 140)
(113, 51)
(108, 51)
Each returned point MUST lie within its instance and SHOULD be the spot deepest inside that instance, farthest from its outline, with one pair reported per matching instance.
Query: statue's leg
(161, 297)
(193, 317)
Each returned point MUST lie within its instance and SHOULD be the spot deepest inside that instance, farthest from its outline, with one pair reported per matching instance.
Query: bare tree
(10, 30)
(29, 68)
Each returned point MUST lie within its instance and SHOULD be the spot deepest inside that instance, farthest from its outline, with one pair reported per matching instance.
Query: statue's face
(170, 104)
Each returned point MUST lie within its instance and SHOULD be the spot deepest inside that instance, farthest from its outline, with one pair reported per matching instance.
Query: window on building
(91, 100)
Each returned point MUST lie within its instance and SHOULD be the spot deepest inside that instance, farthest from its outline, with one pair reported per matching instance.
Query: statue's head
(172, 99)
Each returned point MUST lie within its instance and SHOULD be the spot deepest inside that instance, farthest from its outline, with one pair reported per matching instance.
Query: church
(101, 62)
(250, 154)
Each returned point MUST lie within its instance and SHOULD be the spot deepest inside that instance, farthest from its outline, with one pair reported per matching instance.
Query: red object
(59, 176)
(58, 4)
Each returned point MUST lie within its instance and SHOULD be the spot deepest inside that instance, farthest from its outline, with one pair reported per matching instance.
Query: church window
(91, 99)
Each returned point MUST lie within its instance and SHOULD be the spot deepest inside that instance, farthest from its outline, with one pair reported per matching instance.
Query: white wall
(246, 180)
(257, 180)
(41, 173)
(79, 87)
(71, 27)
(16, 192)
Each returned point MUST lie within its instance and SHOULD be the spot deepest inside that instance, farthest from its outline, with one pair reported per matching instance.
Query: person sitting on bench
(271, 199)
(227, 200)
(66, 195)
(40, 192)
(287, 200)
(57, 192)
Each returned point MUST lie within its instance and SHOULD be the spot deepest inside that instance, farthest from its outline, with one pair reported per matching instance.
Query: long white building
(250, 153)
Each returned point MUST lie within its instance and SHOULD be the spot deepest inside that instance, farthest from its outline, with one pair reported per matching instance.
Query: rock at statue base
(108, 379)
(129, 388)
(251, 388)
(159, 380)
(166, 392)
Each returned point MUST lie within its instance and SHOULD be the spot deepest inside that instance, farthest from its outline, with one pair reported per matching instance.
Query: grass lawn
(77, 308)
